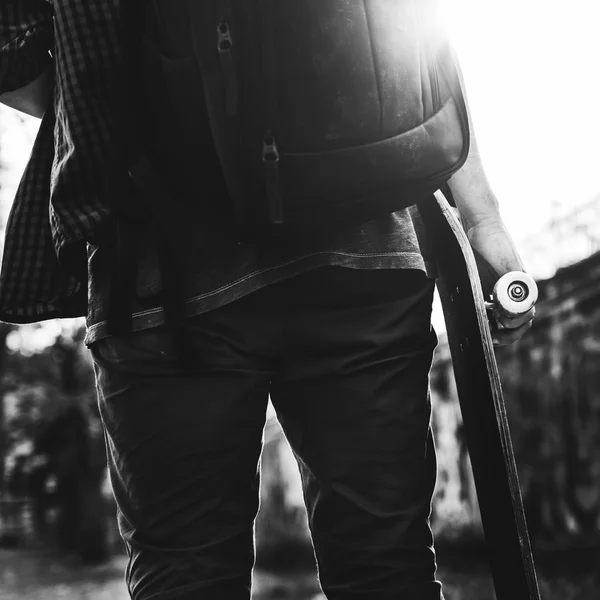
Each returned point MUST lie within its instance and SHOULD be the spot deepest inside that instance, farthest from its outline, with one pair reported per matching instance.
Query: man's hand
(32, 99)
(490, 239)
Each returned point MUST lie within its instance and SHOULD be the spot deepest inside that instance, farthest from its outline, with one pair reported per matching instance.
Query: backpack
(321, 112)
(315, 114)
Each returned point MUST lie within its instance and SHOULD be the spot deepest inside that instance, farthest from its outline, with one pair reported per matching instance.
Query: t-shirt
(219, 268)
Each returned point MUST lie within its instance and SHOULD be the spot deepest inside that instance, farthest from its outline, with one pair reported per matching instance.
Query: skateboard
(467, 315)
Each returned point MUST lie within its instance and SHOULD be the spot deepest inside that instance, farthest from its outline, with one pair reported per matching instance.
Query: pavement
(37, 574)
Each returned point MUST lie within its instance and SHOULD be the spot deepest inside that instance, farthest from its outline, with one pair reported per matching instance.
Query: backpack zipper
(270, 151)
(270, 157)
(225, 49)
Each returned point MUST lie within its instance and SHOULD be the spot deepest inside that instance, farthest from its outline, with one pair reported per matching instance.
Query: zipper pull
(270, 157)
(225, 47)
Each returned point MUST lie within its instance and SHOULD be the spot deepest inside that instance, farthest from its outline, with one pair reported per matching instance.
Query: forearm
(480, 214)
(33, 98)
(479, 209)
(492, 245)
(470, 187)
(472, 191)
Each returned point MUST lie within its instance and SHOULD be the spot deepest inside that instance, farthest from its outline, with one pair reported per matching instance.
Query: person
(335, 329)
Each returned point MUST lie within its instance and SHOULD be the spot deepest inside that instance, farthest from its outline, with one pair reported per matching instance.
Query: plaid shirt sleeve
(63, 200)
(26, 36)
(33, 286)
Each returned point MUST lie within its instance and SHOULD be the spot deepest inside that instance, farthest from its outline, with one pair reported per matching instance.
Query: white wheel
(514, 294)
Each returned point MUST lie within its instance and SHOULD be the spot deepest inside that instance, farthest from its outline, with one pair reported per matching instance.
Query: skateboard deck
(482, 404)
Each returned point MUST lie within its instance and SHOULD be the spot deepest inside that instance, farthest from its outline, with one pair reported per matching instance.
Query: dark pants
(345, 356)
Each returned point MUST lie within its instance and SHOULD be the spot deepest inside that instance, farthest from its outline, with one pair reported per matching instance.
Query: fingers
(514, 322)
(511, 330)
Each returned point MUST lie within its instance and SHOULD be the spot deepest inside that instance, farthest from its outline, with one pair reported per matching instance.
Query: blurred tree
(4, 331)
(552, 386)
(52, 417)
(282, 534)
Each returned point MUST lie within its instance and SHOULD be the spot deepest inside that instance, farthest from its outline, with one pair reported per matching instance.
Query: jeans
(345, 356)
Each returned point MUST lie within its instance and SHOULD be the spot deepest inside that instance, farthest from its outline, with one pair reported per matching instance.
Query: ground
(38, 575)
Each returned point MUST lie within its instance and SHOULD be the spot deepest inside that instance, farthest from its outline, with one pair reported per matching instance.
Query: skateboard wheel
(514, 294)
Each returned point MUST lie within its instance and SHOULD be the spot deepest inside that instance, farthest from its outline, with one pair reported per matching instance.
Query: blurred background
(531, 69)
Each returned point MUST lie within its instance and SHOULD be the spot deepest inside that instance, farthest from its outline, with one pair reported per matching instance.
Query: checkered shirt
(60, 201)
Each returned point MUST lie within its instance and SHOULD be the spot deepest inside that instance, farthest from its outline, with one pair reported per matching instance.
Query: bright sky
(532, 71)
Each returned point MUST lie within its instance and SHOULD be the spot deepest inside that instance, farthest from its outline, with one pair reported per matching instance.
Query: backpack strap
(122, 278)
(171, 295)
(138, 199)
(120, 191)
